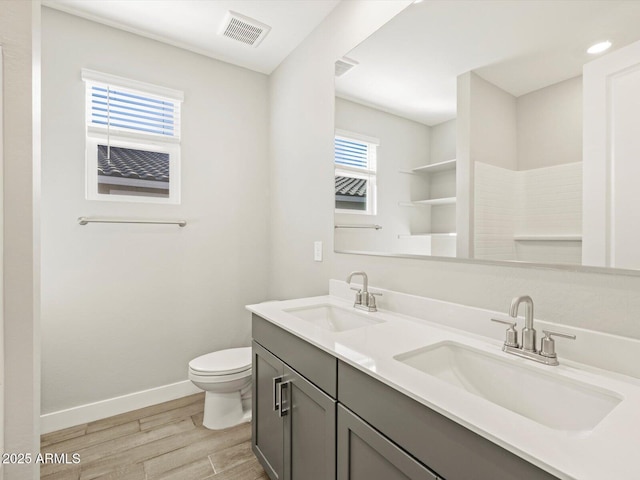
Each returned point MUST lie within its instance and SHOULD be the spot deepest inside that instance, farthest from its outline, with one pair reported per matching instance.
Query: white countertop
(607, 451)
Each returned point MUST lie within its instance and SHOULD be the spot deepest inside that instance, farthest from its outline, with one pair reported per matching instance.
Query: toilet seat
(223, 362)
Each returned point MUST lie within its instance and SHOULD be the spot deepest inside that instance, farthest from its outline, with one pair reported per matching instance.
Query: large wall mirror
(466, 129)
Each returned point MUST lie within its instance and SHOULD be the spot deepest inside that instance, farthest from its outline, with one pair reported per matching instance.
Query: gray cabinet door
(267, 435)
(309, 430)
(365, 454)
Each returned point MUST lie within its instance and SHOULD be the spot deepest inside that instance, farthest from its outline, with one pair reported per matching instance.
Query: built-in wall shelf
(432, 187)
(433, 167)
(547, 238)
(414, 235)
(429, 202)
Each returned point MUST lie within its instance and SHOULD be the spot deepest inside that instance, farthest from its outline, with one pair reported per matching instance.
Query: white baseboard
(90, 412)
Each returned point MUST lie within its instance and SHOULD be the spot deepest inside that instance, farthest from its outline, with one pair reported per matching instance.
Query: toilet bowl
(225, 376)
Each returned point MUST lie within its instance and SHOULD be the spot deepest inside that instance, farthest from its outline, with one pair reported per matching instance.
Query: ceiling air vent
(243, 29)
(343, 65)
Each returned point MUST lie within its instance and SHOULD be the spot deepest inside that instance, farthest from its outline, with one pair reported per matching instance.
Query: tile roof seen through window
(133, 164)
(354, 187)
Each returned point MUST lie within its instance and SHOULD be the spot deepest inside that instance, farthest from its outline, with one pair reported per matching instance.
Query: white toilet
(225, 376)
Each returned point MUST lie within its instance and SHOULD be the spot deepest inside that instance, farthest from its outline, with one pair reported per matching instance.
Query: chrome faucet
(365, 300)
(547, 352)
(528, 332)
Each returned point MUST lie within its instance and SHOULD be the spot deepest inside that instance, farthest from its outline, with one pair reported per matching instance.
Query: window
(355, 173)
(133, 140)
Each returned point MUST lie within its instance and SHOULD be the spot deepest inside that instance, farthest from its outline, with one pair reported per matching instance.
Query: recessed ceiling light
(599, 47)
(418, 1)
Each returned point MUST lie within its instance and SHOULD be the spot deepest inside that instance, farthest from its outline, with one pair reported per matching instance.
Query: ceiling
(409, 66)
(193, 24)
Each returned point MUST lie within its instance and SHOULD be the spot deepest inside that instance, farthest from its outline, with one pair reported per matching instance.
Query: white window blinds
(128, 110)
(124, 105)
(354, 151)
(351, 153)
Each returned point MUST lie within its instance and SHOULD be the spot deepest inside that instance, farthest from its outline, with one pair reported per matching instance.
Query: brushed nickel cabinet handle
(283, 410)
(277, 381)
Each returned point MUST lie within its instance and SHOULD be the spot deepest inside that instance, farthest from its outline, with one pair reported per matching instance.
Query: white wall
(527, 180)
(549, 124)
(125, 307)
(496, 208)
(404, 144)
(19, 24)
(443, 184)
(551, 200)
(443, 141)
(540, 129)
(464, 169)
(486, 132)
(541, 201)
(612, 97)
(302, 95)
(493, 124)
(301, 123)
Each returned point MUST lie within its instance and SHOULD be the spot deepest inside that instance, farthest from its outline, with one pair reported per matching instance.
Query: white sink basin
(544, 397)
(333, 318)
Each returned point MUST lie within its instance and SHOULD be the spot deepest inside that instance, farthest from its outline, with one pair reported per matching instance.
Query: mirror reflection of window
(523, 188)
(355, 173)
(351, 193)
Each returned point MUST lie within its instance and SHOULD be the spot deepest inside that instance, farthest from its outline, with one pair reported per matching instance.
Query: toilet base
(223, 410)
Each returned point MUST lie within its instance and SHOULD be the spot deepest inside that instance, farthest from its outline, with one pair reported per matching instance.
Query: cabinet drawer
(314, 364)
(451, 450)
(364, 454)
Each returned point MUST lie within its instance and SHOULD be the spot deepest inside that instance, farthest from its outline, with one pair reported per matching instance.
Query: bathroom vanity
(340, 393)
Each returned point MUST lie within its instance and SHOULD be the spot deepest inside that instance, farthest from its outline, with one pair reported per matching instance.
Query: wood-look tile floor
(161, 442)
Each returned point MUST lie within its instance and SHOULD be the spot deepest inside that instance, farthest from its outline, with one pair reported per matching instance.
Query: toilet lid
(223, 362)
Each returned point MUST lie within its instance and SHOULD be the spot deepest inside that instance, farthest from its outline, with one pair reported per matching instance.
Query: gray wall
(125, 307)
(302, 93)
